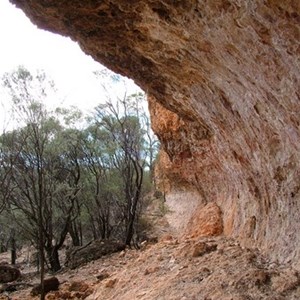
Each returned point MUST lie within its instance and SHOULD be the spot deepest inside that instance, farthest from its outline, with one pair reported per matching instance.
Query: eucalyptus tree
(100, 186)
(125, 131)
(44, 168)
(119, 122)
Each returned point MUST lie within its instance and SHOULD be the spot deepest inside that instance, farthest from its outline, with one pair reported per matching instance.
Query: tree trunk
(3, 247)
(13, 252)
(131, 219)
(129, 233)
(53, 257)
(74, 235)
(41, 262)
(13, 249)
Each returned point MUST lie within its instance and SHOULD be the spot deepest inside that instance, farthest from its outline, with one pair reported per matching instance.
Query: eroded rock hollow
(223, 81)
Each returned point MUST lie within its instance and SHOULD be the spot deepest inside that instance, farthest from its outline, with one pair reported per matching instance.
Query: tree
(44, 171)
(98, 182)
(59, 179)
(125, 148)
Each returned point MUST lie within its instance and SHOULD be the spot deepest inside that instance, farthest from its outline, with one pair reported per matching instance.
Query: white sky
(22, 43)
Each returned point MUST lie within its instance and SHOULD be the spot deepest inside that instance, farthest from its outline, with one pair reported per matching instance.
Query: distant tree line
(58, 178)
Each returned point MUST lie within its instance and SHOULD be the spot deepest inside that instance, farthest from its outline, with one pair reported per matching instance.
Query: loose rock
(50, 284)
(8, 273)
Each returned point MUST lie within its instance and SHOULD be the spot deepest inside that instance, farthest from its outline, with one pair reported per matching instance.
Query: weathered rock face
(223, 80)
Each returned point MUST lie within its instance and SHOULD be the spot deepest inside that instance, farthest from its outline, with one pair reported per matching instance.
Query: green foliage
(43, 176)
(58, 179)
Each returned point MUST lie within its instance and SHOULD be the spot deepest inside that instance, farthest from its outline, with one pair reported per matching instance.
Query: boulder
(77, 256)
(9, 273)
(50, 284)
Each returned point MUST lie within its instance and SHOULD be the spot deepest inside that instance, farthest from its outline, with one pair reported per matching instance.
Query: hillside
(206, 268)
(202, 268)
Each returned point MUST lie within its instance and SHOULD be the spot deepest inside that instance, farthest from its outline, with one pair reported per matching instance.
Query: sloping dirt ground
(206, 268)
(210, 268)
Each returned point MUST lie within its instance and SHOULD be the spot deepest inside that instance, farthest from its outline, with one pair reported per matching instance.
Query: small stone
(172, 261)
(78, 286)
(287, 280)
(102, 276)
(111, 283)
(151, 270)
(261, 277)
(143, 244)
(122, 254)
(202, 248)
(160, 258)
(166, 238)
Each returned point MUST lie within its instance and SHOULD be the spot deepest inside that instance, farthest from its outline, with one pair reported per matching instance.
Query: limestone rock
(223, 80)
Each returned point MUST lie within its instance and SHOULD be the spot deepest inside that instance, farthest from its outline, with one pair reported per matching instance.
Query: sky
(22, 43)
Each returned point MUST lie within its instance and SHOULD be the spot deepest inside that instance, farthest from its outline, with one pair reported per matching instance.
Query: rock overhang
(223, 82)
